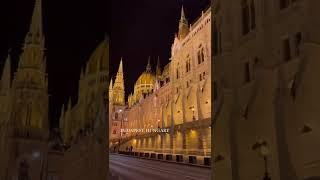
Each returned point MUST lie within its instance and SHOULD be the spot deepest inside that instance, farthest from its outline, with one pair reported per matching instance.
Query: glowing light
(36, 154)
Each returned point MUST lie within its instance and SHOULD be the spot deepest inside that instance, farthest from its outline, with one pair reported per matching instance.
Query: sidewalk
(154, 159)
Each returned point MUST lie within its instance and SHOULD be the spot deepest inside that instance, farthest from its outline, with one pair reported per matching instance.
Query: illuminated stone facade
(266, 70)
(28, 150)
(178, 98)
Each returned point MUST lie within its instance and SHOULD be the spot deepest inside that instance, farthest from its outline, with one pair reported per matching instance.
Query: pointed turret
(158, 70)
(183, 16)
(120, 70)
(33, 50)
(110, 90)
(148, 68)
(183, 25)
(35, 34)
(69, 104)
(110, 85)
(118, 87)
(119, 83)
(31, 76)
(5, 82)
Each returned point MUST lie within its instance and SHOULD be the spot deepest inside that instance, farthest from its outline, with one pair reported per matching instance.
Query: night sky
(73, 29)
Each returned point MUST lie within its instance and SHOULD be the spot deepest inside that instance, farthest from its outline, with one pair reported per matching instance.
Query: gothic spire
(148, 69)
(118, 87)
(183, 25)
(110, 85)
(158, 70)
(35, 34)
(120, 70)
(6, 75)
(183, 16)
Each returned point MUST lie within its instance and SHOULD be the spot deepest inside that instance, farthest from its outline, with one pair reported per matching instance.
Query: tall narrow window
(202, 54)
(187, 67)
(253, 15)
(188, 64)
(245, 18)
(286, 49)
(177, 73)
(215, 38)
(199, 57)
(200, 77)
(116, 116)
(298, 38)
(247, 72)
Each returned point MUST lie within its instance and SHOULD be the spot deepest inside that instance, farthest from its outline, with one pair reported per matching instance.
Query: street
(130, 168)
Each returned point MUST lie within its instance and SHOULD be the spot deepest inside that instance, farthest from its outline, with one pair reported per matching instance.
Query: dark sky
(73, 29)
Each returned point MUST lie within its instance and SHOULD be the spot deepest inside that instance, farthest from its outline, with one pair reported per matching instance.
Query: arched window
(188, 64)
(200, 54)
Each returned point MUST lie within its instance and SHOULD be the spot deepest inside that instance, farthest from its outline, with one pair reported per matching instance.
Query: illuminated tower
(29, 114)
(30, 84)
(183, 25)
(118, 97)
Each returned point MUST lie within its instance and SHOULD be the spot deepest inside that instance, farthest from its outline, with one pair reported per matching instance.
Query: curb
(182, 163)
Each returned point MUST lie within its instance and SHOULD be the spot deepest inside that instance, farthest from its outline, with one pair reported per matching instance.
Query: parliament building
(176, 98)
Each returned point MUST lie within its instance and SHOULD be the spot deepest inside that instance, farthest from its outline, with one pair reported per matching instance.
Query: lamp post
(263, 150)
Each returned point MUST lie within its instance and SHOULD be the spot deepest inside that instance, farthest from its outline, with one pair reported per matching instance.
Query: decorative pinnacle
(148, 69)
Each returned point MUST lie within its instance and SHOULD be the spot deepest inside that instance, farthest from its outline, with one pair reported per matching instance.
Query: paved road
(130, 168)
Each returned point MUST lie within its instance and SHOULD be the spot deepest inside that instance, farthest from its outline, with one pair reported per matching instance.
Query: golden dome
(99, 59)
(146, 78)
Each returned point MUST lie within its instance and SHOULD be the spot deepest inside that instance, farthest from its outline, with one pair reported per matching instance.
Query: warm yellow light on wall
(193, 133)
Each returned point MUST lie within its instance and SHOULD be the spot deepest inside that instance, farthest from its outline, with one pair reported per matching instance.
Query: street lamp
(263, 150)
